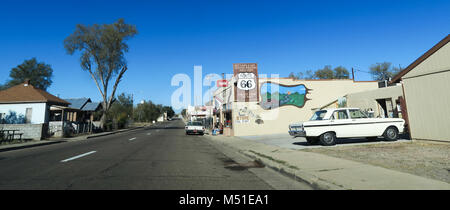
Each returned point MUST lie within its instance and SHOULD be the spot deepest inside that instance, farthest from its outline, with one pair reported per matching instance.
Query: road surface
(161, 157)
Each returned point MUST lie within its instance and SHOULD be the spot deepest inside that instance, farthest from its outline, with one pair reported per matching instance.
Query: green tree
(309, 74)
(39, 74)
(169, 110)
(383, 71)
(121, 111)
(341, 73)
(297, 76)
(147, 112)
(102, 50)
(183, 113)
(325, 73)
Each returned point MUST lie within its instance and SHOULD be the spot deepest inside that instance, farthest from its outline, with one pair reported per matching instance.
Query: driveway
(286, 141)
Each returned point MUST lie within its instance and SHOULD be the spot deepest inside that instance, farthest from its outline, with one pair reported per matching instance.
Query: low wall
(30, 131)
(55, 129)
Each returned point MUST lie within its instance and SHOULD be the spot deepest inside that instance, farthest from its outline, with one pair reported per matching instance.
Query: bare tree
(102, 49)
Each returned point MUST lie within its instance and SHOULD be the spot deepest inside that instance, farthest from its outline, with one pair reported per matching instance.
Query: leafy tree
(121, 111)
(147, 112)
(297, 76)
(39, 74)
(325, 73)
(183, 113)
(383, 71)
(309, 74)
(169, 110)
(341, 73)
(102, 50)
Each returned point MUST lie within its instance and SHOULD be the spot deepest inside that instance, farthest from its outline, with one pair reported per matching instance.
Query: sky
(280, 36)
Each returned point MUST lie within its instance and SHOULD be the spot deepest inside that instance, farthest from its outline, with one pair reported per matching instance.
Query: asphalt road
(160, 157)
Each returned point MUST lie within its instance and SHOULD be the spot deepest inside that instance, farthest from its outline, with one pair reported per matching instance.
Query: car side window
(340, 115)
(357, 114)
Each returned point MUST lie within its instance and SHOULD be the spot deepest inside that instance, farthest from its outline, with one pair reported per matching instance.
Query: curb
(29, 146)
(60, 141)
(315, 182)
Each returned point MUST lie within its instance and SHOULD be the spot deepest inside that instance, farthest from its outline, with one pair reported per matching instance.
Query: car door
(362, 126)
(341, 123)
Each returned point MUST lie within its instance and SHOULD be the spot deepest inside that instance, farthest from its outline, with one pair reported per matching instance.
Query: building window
(29, 113)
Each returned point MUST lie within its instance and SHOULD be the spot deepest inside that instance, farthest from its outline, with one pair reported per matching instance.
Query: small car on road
(325, 126)
(195, 127)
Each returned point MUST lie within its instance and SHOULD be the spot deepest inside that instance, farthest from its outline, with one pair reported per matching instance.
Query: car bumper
(195, 131)
(297, 133)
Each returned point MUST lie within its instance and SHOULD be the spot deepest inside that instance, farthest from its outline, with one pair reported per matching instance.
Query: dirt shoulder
(426, 159)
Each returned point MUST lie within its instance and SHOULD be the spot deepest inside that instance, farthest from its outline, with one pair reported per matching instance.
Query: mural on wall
(245, 114)
(276, 95)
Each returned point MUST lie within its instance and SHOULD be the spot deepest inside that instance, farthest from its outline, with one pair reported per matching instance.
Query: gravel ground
(425, 159)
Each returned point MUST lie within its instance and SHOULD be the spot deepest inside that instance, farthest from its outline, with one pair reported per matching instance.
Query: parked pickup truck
(195, 127)
(325, 126)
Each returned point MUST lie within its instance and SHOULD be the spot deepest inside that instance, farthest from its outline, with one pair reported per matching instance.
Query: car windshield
(194, 123)
(319, 115)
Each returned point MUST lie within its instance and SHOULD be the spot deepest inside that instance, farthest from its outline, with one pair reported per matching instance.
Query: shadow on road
(355, 141)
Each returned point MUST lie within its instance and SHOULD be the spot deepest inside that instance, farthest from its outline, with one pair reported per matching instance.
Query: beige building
(382, 102)
(272, 113)
(426, 87)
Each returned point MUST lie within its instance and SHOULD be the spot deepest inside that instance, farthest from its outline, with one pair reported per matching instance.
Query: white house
(30, 102)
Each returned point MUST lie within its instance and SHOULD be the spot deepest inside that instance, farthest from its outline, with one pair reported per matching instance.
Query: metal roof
(77, 103)
(91, 106)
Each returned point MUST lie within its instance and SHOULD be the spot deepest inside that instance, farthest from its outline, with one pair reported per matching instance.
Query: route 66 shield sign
(246, 84)
(246, 81)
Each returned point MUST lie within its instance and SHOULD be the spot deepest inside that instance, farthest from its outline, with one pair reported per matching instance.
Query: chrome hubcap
(328, 138)
(391, 133)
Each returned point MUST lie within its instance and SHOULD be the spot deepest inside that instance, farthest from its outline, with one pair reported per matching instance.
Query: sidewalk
(326, 172)
(9, 147)
(35, 143)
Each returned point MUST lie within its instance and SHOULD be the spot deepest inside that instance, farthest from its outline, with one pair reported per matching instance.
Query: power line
(362, 71)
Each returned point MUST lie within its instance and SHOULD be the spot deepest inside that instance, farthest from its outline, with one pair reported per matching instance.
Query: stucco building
(252, 105)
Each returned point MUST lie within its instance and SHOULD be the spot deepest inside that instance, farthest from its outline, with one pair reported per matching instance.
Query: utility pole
(353, 74)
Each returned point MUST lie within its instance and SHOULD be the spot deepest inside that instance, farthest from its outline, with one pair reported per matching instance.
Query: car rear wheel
(328, 139)
(312, 140)
(391, 134)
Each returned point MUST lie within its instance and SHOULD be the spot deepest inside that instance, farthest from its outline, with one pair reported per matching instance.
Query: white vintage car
(328, 124)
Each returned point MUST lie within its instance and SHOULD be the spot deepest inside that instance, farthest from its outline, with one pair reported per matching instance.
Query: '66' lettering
(246, 84)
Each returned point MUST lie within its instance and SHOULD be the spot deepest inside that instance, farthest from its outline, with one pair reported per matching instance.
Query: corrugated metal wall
(428, 103)
(427, 94)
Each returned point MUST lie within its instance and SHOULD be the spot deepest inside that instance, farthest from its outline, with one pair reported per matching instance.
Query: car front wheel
(328, 139)
(391, 134)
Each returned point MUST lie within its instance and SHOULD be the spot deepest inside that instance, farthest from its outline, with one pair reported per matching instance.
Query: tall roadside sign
(247, 85)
